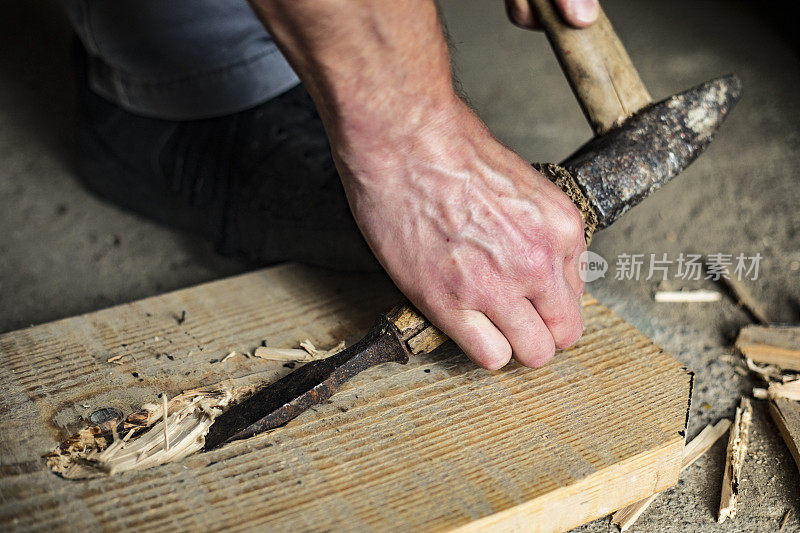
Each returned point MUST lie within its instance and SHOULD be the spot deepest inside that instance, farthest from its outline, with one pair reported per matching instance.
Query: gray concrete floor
(63, 251)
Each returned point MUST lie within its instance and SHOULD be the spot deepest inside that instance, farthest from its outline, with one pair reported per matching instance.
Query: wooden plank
(772, 345)
(437, 444)
(786, 414)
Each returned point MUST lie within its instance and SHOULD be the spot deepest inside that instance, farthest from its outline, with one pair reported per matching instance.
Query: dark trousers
(259, 183)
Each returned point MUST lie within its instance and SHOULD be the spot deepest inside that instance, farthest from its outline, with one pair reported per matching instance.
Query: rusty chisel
(638, 147)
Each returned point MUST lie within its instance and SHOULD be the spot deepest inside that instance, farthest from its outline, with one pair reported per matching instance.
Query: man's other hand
(578, 13)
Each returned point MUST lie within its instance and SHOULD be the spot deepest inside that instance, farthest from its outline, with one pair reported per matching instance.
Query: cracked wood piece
(625, 517)
(437, 444)
(771, 345)
(734, 460)
(786, 414)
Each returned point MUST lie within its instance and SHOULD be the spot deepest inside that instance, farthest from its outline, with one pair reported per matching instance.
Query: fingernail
(584, 11)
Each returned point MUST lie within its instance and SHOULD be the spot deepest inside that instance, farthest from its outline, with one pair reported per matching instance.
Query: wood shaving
(767, 372)
(150, 438)
(307, 352)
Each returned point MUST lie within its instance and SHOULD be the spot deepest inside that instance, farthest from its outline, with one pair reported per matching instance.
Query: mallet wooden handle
(597, 66)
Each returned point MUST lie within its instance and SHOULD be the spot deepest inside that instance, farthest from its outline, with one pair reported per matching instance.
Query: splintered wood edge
(625, 517)
(160, 434)
(786, 414)
(583, 501)
(734, 460)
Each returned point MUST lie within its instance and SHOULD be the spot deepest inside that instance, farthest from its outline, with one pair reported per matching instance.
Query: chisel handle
(414, 330)
(597, 66)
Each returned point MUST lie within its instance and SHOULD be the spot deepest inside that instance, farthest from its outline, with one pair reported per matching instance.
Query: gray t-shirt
(179, 59)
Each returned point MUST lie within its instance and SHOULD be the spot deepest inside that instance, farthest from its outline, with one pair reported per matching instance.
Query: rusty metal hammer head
(621, 167)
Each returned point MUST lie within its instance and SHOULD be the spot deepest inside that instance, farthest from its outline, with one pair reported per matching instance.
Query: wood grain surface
(437, 444)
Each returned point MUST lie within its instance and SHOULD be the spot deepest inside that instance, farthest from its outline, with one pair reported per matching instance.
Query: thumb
(578, 13)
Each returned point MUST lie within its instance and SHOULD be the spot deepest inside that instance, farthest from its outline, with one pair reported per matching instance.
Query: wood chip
(625, 517)
(734, 460)
(789, 390)
(166, 421)
(785, 519)
(232, 355)
(786, 414)
(307, 352)
(771, 345)
(698, 296)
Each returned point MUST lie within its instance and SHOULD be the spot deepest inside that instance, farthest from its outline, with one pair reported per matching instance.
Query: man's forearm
(371, 66)
(481, 243)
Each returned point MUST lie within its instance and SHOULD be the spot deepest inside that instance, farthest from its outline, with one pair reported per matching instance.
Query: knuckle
(540, 262)
(571, 226)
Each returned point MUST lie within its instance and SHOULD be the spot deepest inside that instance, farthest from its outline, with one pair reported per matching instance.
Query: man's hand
(578, 13)
(485, 246)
